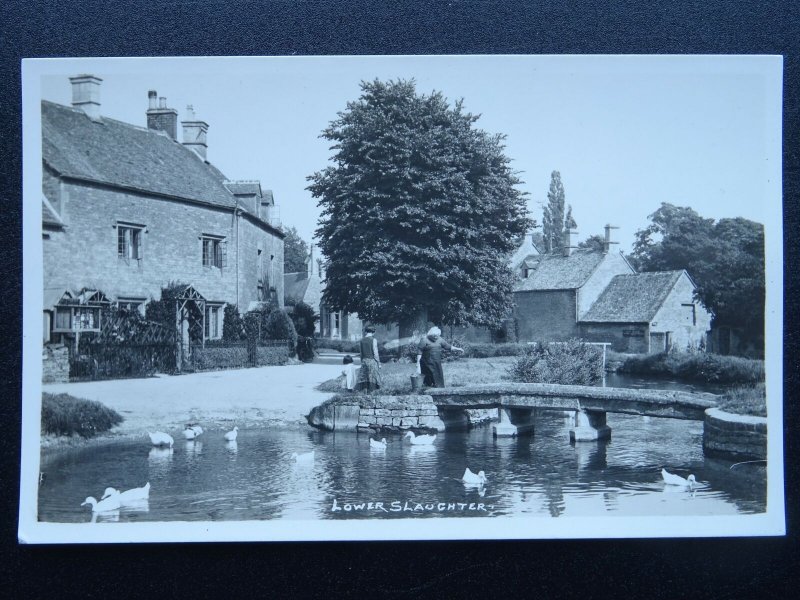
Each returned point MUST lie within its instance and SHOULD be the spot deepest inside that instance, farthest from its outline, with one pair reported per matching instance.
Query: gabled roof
(559, 272)
(633, 298)
(119, 154)
(244, 188)
(294, 287)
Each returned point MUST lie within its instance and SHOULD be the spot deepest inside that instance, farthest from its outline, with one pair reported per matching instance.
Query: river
(542, 475)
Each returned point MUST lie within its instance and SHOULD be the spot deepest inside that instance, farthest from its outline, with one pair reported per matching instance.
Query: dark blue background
(631, 568)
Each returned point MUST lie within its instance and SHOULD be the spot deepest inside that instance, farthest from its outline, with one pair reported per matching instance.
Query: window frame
(213, 251)
(135, 240)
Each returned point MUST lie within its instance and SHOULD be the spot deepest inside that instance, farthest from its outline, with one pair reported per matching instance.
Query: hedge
(63, 414)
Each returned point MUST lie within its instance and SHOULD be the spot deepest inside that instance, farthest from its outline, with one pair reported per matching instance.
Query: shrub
(304, 319)
(236, 357)
(696, 366)
(305, 348)
(346, 346)
(278, 326)
(572, 362)
(233, 324)
(63, 414)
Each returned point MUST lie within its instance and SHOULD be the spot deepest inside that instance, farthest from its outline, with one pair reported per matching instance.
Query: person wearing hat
(369, 375)
(429, 358)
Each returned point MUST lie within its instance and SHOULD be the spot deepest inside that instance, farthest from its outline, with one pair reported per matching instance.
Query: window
(214, 251)
(129, 242)
(77, 318)
(131, 304)
(690, 312)
(213, 329)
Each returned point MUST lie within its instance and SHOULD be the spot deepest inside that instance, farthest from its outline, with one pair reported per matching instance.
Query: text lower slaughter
(409, 506)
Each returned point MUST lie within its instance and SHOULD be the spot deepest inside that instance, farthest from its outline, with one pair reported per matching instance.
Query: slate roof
(244, 188)
(121, 154)
(294, 287)
(558, 272)
(633, 298)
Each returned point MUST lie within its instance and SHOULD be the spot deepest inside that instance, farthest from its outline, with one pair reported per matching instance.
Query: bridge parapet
(657, 403)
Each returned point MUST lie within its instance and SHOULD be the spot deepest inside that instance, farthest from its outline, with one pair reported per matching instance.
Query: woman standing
(429, 358)
(369, 375)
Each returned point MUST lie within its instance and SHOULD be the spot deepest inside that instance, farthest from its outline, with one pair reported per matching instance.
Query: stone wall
(686, 320)
(736, 436)
(546, 315)
(55, 364)
(85, 255)
(623, 337)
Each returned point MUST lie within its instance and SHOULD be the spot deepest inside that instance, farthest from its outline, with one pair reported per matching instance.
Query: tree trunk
(414, 325)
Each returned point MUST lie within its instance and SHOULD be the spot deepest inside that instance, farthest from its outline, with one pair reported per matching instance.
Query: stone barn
(647, 313)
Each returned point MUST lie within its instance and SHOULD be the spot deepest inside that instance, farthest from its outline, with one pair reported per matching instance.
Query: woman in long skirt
(369, 375)
(430, 357)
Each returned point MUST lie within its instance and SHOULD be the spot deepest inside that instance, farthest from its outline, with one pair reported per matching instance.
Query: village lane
(216, 399)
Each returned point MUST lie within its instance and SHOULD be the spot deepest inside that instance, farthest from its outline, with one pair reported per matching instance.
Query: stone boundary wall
(394, 413)
(737, 436)
(55, 363)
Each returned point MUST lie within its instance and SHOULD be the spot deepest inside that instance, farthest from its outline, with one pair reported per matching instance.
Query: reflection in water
(108, 516)
(536, 475)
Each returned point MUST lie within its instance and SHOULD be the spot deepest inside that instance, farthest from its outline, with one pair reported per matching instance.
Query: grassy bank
(397, 376)
(747, 400)
(65, 415)
(696, 366)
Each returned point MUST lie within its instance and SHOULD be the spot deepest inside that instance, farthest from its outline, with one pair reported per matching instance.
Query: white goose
(304, 458)
(159, 438)
(472, 478)
(420, 440)
(231, 435)
(133, 495)
(192, 431)
(110, 503)
(376, 445)
(672, 479)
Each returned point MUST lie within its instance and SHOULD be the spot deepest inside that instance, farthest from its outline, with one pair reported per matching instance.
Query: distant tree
(553, 219)
(569, 221)
(538, 240)
(295, 252)
(593, 242)
(304, 319)
(725, 259)
(420, 210)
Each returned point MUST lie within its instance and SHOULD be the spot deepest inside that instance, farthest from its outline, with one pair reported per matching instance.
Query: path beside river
(216, 399)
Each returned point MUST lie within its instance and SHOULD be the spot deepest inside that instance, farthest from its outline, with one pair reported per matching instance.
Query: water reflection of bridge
(516, 403)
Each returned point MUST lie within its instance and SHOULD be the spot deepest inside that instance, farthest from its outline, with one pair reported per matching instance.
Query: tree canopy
(419, 211)
(725, 258)
(295, 252)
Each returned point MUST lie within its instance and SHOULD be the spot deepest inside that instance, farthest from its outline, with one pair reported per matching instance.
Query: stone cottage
(127, 209)
(596, 295)
(647, 313)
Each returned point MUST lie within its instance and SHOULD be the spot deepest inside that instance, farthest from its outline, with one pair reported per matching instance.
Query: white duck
(376, 445)
(159, 438)
(304, 458)
(672, 479)
(129, 496)
(231, 435)
(192, 431)
(110, 503)
(475, 479)
(420, 440)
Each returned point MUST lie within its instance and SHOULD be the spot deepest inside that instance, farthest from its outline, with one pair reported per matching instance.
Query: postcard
(401, 297)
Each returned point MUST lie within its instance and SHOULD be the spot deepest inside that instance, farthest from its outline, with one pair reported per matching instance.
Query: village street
(215, 399)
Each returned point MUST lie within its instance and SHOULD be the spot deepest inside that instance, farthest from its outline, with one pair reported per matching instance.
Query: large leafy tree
(419, 211)
(295, 252)
(725, 258)
(553, 217)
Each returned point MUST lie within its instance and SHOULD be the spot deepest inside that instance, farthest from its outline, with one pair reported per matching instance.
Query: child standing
(349, 372)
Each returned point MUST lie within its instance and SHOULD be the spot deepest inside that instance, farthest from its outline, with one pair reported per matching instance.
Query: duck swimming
(420, 440)
(473, 478)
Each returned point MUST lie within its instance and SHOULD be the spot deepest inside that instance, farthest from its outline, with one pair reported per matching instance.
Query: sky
(626, 133)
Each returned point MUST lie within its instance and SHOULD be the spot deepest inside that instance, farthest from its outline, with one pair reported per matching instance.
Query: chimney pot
(151, 99)
(195, 133)
(86, 94)
(162, 102)
(607, 241)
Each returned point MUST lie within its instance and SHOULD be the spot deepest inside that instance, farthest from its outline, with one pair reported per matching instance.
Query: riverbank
(218, 400)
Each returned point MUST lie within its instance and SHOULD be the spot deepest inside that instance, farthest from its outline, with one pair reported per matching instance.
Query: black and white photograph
(401, 297)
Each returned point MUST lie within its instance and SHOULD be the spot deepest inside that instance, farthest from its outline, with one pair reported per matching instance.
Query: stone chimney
(607, 241)
(161, 118)
(570, 241)
(86, 94)
(194, 133)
